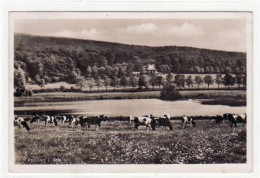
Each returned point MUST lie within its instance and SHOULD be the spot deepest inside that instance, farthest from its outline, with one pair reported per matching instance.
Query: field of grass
(117, 143)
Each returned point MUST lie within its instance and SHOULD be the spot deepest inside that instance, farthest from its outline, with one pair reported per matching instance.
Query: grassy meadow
(116, 142)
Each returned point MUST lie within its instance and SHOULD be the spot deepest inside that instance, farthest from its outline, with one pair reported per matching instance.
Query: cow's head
(104, 118)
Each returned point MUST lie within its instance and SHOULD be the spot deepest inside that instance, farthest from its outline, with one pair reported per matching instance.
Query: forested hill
(61, 58)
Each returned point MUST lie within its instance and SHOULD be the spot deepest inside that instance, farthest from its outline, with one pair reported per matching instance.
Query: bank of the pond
(225, 97)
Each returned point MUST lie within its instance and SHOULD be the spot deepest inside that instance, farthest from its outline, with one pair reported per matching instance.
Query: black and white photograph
(129, 88)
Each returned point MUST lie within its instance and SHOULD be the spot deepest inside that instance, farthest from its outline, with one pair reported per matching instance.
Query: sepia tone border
(218, 168)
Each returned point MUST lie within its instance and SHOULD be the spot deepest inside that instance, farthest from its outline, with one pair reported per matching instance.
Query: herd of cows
(148, 120)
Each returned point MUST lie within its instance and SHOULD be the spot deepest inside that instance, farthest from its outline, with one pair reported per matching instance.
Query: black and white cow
(36, 118)
(219, 119)
(187, 119)
(164, 121)
(69, 119)
(51, 120)
(19, 121)
(149, 122)
(88, 121)
(79, 121)
(235, 118)
(62, 119)
(96, 121)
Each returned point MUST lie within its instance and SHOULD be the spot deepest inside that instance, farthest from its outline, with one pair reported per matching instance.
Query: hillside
(60, 59)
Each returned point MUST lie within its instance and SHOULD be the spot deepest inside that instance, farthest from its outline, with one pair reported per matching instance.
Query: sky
(219, 34)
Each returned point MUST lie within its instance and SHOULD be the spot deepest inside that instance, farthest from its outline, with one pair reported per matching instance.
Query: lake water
(135, 107)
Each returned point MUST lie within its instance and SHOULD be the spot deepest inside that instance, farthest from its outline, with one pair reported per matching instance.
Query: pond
(135, 107)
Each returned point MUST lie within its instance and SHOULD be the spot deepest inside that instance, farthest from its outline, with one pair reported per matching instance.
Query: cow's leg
(97, 126)
(153, 127)
(244, 122)
(136, 126)
(170, 126)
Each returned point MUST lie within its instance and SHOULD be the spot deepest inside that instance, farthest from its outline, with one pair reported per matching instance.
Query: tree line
(49, 59)
(143, 81)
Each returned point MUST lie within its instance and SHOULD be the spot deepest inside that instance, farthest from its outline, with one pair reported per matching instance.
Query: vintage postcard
(130, 92)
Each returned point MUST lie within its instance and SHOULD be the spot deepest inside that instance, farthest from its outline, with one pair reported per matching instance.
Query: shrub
(169, 92)
(22, 92)
(62, 88)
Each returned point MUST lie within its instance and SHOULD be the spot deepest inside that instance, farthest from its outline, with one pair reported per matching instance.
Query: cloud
(84, 34)
(141, 28)
(186, 30)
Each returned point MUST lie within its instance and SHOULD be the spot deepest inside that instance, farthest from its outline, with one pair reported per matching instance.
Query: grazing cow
(79, 121)
(219, 119)
(21, 122)
(242, 118)
(70, 119)
(164, 121)
(146, 121)
(62, 119)
(87, 121)
(96, 121)
(35, 119)
(235, 118)
(50, 120)
(74, 120)
(187, 119)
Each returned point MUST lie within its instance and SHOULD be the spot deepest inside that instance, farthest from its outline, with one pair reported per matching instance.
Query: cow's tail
(25, 125)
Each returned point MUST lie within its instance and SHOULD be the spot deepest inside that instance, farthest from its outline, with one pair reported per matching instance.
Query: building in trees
(149, 69)
(136, 74)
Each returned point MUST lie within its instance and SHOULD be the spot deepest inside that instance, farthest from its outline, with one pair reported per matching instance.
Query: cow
(88, 121)
(146, 121)
(96, 121)
(219, 119)
(187, 119)
(50, 120)
(21, 122)
(69, 119)
(74, 120)
(235, 118)
(62, 119)
(36, 118)
(164, 121)
(79, 121)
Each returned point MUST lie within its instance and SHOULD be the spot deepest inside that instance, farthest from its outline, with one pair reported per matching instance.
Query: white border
(126, 6)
